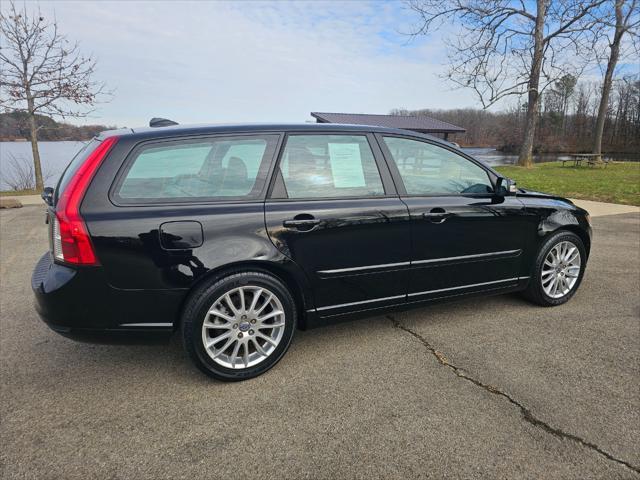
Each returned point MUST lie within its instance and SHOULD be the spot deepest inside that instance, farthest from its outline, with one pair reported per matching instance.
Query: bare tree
(564, 89)
(19, 174)
(626, 21)
(509, 48)
(41, 72)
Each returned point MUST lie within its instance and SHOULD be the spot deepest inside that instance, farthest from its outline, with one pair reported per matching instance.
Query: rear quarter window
(221, 168)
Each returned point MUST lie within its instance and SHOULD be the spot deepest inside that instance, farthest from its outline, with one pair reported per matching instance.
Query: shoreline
(514, 152)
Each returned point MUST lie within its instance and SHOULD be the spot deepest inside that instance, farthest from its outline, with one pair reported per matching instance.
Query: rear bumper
(79, 303)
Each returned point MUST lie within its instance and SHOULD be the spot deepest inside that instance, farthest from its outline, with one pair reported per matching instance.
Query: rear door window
(329, 166)
(224, 168)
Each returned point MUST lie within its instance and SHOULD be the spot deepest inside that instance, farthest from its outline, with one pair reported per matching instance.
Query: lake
(56, 155)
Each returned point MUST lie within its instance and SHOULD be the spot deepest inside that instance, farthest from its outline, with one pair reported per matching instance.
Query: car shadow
(162, 355)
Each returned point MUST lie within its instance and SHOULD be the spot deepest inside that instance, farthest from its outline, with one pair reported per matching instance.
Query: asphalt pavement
(486, 388)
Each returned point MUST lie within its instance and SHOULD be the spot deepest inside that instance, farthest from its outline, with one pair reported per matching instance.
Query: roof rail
(161, 122)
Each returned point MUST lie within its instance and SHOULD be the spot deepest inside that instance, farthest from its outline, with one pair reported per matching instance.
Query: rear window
(202, 169)
(73, 166)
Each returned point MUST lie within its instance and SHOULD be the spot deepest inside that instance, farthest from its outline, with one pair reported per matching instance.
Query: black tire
(535, 292)
(202, 300)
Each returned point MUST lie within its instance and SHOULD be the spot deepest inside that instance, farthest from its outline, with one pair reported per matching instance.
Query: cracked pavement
(485, 388)
(526, 413)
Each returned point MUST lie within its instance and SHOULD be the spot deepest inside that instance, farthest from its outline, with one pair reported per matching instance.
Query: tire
(251, 336)
(540, 289)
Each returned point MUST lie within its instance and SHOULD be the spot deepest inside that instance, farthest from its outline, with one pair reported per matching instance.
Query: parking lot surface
(487, 388)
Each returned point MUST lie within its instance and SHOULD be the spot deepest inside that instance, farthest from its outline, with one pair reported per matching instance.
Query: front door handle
(303, 222)
(436, 215)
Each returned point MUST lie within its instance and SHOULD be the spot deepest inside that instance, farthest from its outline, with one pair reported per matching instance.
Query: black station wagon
(238, 235)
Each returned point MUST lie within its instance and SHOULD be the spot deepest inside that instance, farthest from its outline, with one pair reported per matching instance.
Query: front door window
(428, 169)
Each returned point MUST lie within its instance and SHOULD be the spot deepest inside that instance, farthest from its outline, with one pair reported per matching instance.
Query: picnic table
(592, 159)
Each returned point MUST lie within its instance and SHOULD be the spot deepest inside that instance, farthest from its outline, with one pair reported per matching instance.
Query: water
(491, 156)
(56, 155)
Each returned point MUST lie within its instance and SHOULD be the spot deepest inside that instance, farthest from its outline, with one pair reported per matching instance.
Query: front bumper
(80, 303)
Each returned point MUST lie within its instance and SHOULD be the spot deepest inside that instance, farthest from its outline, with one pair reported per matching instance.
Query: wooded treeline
(15, 126)
(566, 120)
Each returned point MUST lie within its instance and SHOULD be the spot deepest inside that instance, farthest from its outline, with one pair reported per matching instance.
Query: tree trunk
(565, 106)
(608, 79)
(33, 130)
(525, 159)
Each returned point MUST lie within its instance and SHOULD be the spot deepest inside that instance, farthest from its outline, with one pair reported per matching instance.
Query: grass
(17, 193)
(619, 182)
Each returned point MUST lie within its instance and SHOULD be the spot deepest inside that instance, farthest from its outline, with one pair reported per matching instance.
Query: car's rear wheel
(558, 270)
(239, 326)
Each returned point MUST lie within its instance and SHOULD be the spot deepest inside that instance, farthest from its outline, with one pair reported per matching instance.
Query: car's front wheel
(558, 270)
(239, 326)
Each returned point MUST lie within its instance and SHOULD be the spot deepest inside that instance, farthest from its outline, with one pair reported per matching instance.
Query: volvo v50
(238, 235)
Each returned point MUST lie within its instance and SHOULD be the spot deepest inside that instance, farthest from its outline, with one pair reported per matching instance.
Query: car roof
(203, 129)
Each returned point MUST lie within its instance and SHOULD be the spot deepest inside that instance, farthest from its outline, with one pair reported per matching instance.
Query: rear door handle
(436, 215)
(303, 222)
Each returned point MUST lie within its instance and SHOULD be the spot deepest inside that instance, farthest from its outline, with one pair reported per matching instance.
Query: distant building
(420, 124)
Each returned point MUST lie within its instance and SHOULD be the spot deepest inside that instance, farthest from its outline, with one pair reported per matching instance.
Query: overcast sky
(255, 61)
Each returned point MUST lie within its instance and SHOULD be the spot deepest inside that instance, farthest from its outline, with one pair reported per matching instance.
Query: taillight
(71, 242)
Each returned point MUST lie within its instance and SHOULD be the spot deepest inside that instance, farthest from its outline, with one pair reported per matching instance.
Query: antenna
(161, 122)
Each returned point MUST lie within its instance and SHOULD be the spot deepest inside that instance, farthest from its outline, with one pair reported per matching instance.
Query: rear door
(464, 238)
(334, 211)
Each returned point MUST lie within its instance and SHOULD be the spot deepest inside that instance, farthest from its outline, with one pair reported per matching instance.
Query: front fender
(556, 213)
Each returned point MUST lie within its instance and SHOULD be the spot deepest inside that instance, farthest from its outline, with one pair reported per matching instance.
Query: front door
(464, 238)
(333, 210)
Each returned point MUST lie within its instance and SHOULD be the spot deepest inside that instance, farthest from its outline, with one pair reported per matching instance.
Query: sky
(224, 62)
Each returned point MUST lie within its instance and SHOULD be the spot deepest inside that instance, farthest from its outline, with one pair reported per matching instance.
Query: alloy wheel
(561, 269)
(243, 327)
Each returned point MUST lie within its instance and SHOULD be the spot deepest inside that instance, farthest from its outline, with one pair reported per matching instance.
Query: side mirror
(505, 186)
(47, 196)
